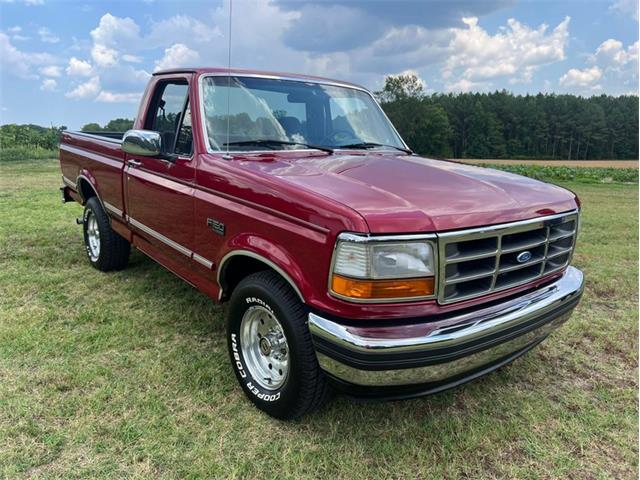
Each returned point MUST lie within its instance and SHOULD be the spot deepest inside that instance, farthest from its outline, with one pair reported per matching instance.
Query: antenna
(228, 156)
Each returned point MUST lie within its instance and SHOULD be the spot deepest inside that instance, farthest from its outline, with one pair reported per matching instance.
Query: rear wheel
(106, 249)
(270, 347)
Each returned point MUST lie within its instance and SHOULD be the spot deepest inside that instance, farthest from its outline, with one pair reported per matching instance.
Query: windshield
(297, 113)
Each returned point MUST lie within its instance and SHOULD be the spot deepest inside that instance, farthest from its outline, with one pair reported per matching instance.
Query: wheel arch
(86, 188)
(239, 263)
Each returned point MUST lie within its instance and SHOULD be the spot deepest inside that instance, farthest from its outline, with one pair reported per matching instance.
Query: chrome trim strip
(438, 372)
(203, 261)
(94, 136)
(510, 226)
(365, 238)
(458, 331)
(113, 209)
(69, 183)
(256, 256)
(203, 122)
(185, 251)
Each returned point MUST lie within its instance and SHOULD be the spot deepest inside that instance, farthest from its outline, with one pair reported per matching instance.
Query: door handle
(134, 163)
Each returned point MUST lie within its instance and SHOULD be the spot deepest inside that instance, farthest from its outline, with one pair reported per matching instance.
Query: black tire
(113, 249)
(305, 387)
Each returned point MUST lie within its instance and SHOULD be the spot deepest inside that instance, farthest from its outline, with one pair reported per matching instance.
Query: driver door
(159, 191)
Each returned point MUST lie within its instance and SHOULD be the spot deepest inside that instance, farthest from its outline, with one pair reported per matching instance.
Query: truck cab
(348, 262)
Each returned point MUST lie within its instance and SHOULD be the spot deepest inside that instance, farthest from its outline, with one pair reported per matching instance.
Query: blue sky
(70, 63)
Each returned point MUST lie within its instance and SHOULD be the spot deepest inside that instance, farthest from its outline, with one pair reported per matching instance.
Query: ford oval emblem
(524, 256)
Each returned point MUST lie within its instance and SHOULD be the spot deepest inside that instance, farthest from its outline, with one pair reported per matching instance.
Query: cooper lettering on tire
(270, 347)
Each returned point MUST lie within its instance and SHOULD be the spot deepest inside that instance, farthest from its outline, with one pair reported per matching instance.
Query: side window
(167, 118)
(185, 135)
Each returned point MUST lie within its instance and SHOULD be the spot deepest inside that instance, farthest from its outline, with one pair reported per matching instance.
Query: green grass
(126, 374)
(553, 173)
(22, 153)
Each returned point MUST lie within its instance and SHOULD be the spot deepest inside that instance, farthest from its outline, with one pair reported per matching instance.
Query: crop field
(556, 163)
(126, 374)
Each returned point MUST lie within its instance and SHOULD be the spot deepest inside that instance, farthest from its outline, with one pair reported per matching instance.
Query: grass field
(126, 374)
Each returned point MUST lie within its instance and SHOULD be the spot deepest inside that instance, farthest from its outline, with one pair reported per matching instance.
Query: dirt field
(558, 163)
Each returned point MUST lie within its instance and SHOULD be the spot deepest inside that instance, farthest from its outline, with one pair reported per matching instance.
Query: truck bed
(97, 156)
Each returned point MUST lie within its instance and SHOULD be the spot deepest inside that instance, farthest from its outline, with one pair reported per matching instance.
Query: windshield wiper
(374, 145)
(267, 142)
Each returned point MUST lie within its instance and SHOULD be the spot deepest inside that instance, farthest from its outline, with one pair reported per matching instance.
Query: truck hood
(401, 193)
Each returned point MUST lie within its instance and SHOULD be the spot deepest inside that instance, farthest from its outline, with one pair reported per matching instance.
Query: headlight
(383, 269)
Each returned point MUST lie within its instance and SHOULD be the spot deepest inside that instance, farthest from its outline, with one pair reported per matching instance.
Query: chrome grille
(484, 260)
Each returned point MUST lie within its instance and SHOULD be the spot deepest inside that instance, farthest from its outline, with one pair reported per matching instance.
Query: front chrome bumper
(437, 350)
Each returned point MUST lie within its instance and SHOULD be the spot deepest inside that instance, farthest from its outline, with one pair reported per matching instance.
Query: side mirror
(146, 143)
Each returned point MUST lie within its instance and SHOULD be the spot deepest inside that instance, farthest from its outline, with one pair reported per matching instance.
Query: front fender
(273, 255)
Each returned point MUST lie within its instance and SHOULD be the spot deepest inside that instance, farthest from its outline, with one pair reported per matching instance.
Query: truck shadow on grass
(186, 311)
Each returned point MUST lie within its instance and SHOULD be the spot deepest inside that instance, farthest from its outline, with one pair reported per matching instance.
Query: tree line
(32, 136)
(464, 125)
(504, 125)
(115, 125)
(48, 138)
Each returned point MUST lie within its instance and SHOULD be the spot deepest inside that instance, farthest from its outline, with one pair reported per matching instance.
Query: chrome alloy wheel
(264, 347)
(93, 237)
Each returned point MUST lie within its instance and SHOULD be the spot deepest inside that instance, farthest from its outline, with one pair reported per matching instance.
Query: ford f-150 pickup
(348, 262)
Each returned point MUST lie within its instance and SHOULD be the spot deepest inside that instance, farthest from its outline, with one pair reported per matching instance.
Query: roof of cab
(257, 73)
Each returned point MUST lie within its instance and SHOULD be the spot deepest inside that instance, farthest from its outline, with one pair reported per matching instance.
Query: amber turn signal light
(381, 289)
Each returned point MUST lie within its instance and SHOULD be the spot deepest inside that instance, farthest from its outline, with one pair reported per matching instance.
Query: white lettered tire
(270, 347)
(106, 250)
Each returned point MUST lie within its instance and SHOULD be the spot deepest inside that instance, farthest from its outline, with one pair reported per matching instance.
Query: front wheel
(270, 347)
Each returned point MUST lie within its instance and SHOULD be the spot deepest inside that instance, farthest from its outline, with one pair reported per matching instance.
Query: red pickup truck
(348, 262)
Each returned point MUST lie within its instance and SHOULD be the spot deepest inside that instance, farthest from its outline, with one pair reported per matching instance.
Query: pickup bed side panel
(98, 160)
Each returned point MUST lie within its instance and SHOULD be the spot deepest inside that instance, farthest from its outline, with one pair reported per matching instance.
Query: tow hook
(79, 221)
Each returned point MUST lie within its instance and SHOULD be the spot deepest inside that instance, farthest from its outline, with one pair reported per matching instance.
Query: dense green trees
(116, 125)
(37, 137)
(33, 136)
(503, 125)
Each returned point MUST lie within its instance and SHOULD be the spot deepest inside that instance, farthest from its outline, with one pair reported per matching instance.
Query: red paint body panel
(289, 206)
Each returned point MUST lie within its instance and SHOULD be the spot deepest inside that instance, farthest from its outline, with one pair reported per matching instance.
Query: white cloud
(104, 56)
(51, 71)
(626, 7)
(48, 85)
(86, 90)
(80, 68)
(47, 36)
(516, 51)
(179, 28)
(177, 55)
(111, 97)
(116, 32)
(464, 85)
(587, 77)
(619, 65)
(131, 58)
(611, 53)
(16, 35)
(21, 63)
(26, 2)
